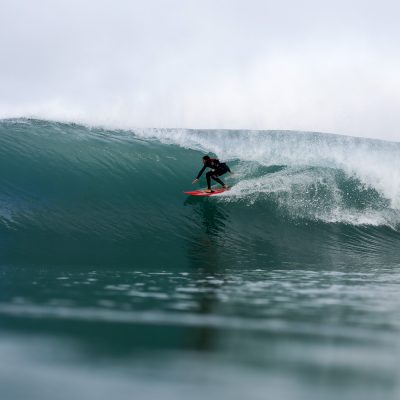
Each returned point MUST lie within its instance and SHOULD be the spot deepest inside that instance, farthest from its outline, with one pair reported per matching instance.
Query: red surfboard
(202, 192)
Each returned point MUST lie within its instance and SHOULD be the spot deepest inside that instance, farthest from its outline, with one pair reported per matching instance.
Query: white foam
(311, 193)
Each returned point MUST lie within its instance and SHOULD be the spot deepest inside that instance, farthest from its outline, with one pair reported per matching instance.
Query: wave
(92, 195)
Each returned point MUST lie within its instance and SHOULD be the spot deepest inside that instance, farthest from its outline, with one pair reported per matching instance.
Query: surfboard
(202, 192)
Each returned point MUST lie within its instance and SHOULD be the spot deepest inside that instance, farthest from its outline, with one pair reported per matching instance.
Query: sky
(325, 66)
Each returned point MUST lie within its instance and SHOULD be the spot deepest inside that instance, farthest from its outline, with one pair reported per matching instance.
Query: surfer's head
(205, 159)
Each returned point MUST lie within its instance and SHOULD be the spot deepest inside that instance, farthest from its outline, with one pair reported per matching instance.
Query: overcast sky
(329, 66)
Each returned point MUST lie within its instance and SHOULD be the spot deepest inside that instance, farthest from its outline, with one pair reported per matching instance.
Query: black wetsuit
(218, 170)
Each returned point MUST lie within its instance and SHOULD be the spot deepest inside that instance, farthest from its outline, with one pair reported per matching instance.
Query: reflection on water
(204, 254)
(222, 333)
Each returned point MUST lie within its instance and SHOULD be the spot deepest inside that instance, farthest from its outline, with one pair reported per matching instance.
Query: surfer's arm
(201, 172)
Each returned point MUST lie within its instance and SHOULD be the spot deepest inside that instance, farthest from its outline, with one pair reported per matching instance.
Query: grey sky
(303, 65)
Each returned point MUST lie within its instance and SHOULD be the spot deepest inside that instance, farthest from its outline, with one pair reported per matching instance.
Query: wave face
(73, 195)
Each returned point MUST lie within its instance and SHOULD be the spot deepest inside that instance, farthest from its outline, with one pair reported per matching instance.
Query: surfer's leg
(218, 172)
(216, 179)
(208, 177)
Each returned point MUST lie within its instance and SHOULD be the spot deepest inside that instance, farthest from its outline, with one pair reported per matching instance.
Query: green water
(290, 333)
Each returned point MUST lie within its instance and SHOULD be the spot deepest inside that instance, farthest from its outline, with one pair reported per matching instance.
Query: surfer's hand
(194, 181)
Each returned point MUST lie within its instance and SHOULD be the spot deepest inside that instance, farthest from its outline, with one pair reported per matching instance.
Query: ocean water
(114, 284)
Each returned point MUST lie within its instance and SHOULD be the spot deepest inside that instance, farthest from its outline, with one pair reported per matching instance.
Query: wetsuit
(218, 170)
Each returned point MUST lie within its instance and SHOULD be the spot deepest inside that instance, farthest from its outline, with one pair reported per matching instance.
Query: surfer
(218, 169)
